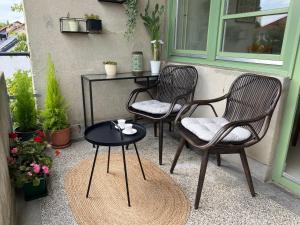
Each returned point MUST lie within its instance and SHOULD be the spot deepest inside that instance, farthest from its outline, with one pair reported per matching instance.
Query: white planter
(155, 67)
(111, 70)
(73, 25)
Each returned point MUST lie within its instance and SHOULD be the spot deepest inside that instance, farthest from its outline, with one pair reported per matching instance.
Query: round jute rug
(156, 201)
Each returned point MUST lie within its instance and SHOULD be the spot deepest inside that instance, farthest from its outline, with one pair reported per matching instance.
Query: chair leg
(155, 129)
(161, 131)
(108, 159)
(178, 152)
(170, 126)
(218, 159)
(92, 172)
(187, 145)
(201, 178)
(247, 171)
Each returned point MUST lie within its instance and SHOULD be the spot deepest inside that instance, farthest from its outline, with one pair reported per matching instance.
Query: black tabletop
(106, 134)
(119, 76)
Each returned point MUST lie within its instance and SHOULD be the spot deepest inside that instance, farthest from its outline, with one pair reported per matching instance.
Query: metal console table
(145, 79)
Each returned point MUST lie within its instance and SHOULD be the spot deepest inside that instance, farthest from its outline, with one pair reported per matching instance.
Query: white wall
(7, 204)
(76, 54)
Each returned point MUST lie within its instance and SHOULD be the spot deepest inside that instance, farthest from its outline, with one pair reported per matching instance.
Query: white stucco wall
(7, 200)
(76, 54)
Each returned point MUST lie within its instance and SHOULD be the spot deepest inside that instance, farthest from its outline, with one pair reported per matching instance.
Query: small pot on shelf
(110, 68)
(73, 25)
(93, 25)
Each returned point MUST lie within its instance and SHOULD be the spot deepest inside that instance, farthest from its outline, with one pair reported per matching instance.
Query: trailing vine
(131, 11)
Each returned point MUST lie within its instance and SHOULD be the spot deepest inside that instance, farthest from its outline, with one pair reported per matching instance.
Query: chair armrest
(198, 103)
(226, 129)
(134, 94)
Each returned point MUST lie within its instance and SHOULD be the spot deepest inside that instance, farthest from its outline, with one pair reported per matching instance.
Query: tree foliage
(54, 114)
(21, 45)
(17, 7)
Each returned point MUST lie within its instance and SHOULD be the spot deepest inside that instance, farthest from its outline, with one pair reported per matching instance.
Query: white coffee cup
(128, 127)
(121, 123)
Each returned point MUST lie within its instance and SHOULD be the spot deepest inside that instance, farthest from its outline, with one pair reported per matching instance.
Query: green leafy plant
(152, 22)
(23, 107)
(91, 17)
(110, 63)
(21, 45)
(54, 114)
(131, 11)
(28, 161)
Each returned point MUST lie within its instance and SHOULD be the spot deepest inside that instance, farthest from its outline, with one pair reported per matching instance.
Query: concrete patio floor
(225, 199)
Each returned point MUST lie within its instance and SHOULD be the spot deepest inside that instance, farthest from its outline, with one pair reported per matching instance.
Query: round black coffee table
(108, 134)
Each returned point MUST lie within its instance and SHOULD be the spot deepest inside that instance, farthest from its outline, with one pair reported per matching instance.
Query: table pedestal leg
(125, 171)
(92, 172)
(137, 153)
(108, 159)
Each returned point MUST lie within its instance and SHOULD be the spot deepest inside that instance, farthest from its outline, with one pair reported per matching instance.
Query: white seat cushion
(155, 107)
(206, 128)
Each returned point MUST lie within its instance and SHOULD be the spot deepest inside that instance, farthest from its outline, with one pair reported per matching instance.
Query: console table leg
(108, 159)
(126, 179)
(92, 172)
(137, 153)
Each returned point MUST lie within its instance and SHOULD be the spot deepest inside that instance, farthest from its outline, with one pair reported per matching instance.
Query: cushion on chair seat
(155, 107)
(206, 128)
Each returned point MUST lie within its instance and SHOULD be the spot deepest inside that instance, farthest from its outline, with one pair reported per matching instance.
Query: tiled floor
(225, 199)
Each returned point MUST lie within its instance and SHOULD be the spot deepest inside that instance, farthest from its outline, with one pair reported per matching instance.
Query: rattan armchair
(175, 87)
(251, 101)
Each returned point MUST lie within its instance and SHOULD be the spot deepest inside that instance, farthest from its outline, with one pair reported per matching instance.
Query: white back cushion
(155, 106)
(206, 129)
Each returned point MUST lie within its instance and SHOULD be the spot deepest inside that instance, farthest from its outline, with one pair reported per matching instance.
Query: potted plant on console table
(55, 119)
(152, 23)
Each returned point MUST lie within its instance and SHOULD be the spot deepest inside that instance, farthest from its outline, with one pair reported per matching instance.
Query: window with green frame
(230, 30)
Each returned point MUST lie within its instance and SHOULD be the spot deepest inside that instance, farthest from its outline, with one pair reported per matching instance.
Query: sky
(7, 14)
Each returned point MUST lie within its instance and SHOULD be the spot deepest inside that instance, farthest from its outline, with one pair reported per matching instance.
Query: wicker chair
(175, 87)
(250, 104)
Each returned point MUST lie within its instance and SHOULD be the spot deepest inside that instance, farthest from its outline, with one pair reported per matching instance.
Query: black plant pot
(93, 25)
(34, 192)
(25, 135)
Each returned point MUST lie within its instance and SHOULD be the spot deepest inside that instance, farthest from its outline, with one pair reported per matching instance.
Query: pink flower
(36, 167)
(14, 151)
(29, 174)
(45, 169)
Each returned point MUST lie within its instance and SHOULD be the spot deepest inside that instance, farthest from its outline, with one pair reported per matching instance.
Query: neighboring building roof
(14, 27)
(8, 43)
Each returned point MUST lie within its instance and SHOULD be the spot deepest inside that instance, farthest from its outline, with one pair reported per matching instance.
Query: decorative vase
(155, 67)
(61, 138)
(137, 63)
(73, 25)
(34, 192)
(111, 70)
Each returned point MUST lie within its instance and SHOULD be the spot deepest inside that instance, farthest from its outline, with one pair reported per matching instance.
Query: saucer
(131, 132)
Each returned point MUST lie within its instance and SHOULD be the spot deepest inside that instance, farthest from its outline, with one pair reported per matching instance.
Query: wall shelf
(76, 26)
(113, 1)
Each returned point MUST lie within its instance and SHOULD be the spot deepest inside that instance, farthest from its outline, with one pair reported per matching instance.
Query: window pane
(243, 6)
(192, 24)
(254, 34)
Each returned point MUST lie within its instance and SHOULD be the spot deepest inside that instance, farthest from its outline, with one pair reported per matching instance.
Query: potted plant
(29, 165)
(73, 24)
(23, 107)
(131, 11)
(54, 115)
(93, 23)
(110, 68)
(152, 23)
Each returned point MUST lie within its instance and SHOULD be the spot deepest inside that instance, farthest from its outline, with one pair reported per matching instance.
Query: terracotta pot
(61, 138)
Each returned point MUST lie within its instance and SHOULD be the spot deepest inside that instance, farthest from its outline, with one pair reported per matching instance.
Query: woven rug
(158, 200)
